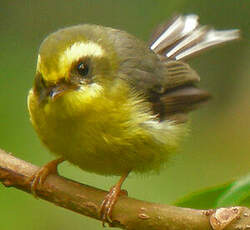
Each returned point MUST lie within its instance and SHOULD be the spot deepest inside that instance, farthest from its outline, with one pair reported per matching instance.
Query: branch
(128, 213)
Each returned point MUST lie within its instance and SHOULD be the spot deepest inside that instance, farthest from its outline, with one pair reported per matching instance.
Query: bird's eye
(83, 69)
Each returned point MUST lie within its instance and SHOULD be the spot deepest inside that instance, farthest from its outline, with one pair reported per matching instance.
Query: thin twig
(128, 213)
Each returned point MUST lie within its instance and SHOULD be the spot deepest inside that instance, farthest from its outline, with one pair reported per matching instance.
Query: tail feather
(174, 42)
(184, 37)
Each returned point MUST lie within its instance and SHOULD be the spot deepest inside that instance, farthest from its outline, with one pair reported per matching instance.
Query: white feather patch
(166, 131)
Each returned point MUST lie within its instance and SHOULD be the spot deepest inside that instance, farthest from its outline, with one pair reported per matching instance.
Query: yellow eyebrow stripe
(76, 51)
(79, 50)
(70, 55)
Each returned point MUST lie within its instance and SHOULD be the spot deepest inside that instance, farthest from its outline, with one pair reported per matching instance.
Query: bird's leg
(110, 200)
(40, 176)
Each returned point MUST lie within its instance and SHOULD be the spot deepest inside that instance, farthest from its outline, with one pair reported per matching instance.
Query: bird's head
(73, 59)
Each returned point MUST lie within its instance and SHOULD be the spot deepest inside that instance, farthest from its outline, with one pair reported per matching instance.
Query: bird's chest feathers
(83, 122)
(93, 132)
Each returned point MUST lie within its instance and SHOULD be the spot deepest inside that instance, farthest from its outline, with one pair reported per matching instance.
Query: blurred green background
(216, 151)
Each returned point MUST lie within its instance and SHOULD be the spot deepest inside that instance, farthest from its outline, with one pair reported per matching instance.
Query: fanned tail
(180, 39)
(183, 37)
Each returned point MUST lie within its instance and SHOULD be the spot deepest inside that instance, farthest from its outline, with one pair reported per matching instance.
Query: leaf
(229, 194)
(237, 194)
(204, 199)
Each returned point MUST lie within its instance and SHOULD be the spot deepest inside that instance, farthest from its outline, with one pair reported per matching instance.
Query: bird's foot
(40, 176)
(109, 202)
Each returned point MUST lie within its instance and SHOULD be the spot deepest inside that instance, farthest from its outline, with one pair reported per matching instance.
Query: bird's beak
(59, 90)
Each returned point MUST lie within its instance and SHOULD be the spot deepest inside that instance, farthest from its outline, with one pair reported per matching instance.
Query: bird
(112, 104)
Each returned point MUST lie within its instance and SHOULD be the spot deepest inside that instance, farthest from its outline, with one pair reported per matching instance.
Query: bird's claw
(108, 204)
(41, 175)
(38, 179)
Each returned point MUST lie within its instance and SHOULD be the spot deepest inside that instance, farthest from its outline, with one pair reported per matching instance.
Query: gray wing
(178, 40)
(158, 71)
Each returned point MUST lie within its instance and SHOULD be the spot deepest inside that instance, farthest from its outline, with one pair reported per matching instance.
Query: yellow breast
(104, 131)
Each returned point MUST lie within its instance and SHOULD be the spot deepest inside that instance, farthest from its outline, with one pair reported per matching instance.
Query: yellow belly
(107, 133)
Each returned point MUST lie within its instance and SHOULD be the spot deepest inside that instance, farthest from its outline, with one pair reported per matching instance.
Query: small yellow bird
(111, 104)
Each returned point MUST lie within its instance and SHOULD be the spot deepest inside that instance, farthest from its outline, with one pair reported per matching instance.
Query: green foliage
(229, 194)
(237, 194)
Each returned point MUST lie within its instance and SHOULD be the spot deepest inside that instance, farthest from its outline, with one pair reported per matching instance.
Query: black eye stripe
(83, 68)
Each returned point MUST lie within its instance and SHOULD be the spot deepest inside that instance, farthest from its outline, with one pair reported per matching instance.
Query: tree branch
(128, 213)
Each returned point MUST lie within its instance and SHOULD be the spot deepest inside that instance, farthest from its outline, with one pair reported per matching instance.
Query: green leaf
(229, 194)
(204, 199)
(237, 194)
